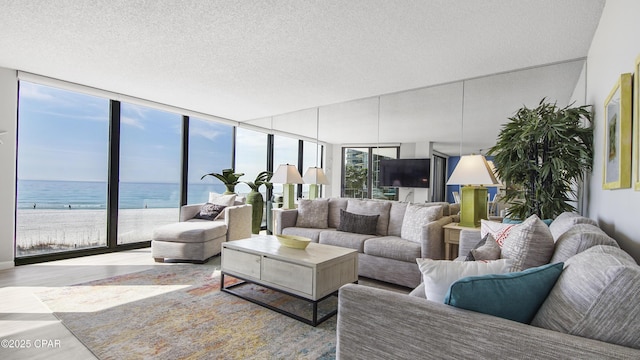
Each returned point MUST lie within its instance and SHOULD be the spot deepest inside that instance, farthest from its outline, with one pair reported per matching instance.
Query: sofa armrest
(380, 324)
(432, 239)
(238, 221)
(284, 219)
(189, 211)
(468, 240)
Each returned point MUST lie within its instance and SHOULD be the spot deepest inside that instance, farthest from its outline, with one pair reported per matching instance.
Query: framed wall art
(617, 135)
(636, 125)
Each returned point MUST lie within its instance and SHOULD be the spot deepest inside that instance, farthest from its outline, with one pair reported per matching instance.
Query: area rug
(178, 312)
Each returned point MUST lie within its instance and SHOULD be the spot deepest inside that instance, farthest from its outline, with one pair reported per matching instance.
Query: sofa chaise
(399, 234)
(197, 240)
(591, 312)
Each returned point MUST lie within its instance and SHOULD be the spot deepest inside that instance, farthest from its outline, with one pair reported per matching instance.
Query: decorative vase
(257, 203)
(231, 189)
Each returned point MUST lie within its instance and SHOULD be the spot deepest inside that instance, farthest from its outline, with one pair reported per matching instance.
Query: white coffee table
(312, 274)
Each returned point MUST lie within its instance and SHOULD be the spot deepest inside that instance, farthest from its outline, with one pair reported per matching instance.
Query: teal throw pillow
(515, 296)
(515, 221)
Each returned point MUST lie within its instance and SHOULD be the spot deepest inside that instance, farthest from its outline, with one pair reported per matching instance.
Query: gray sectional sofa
(403, 232)
(591, 312)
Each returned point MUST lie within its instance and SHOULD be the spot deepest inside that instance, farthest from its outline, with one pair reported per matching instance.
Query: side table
(452, 239)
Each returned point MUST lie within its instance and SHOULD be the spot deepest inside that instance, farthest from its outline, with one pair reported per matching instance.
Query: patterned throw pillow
(358, 224)
(415, 218)
(529, 244)
(499, 231)
(313, 213)
(210, 211)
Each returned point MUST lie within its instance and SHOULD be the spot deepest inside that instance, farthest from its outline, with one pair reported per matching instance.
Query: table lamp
(474, 174)
(287, 175)
(314, 176)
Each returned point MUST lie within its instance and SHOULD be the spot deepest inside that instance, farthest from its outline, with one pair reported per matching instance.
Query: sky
(64, 135)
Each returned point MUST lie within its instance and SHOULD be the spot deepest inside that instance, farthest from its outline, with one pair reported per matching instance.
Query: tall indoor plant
(541, 154)
(256, 200)
(229, 178)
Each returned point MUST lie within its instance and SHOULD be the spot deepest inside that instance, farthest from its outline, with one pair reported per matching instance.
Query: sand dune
(67, 229)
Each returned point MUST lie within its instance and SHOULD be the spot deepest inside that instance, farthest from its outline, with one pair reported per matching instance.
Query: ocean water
(42, 194)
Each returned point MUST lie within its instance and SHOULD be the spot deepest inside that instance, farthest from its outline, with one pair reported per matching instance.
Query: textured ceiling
(249, 60)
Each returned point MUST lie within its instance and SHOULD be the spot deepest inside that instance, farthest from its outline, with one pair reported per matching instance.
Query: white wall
(8, 111)
(613, 51)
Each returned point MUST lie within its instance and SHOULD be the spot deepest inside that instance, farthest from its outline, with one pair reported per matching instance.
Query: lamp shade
(286, 174)
(315, 175)
(473, 170)
(493, 171)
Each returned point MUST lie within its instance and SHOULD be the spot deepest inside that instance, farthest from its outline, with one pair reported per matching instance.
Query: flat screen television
(405, 172)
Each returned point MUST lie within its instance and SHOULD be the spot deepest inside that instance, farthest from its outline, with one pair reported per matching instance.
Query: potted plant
(541, 156)
(229, 178)
(256, 200)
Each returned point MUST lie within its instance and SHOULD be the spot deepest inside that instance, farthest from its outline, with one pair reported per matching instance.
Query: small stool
(193, 241)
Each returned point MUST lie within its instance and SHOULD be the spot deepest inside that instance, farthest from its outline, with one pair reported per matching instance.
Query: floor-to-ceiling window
(360, 169)
(63, 146)
(210, 148)
(150, 156)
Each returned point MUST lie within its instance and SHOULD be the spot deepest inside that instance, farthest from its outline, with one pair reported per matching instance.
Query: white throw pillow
(438, 275)
(221, 199)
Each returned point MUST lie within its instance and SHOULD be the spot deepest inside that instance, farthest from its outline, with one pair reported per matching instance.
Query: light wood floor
(25, 319)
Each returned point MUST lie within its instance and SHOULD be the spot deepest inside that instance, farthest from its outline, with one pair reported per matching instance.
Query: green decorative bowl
(292, 241)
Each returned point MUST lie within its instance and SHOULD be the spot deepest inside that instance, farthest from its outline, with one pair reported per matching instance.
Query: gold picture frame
(636, 125)
(617, 135)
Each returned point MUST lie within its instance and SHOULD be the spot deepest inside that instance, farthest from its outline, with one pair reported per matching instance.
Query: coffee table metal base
(314, 321)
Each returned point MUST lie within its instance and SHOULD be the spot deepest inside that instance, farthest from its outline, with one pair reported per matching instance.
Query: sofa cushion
(313, 213)
(529, 244)
(396, 216)
(596, 297)
(359, 224)
(515, 296)
(190, 231)
(335, 204)
(392, 247)
(579, 238)
(565, 221)
(415, 218)
(311, 233)
(344, 239)
(438, 275)
(442, 204)
(380, 208)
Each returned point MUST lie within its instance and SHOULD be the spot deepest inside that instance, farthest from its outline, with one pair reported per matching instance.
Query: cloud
(131, 122)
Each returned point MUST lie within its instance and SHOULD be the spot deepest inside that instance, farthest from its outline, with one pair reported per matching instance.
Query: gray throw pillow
(358, 224)
(487, 249)
(313, 213)
(368, 207)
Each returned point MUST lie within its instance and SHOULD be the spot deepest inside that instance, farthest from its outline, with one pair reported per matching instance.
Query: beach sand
(54, 230)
